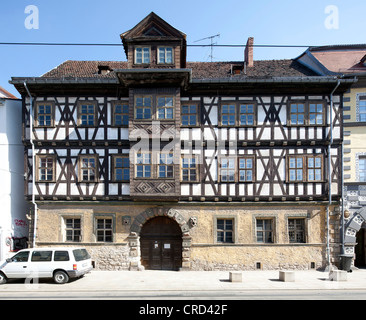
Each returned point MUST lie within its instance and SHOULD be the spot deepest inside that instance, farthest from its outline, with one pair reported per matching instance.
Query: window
(46, 168)
(227, 169)
(314, 169)
(316, 114)
(228, 115)
(143, 165)
(21, 257)
(246, 169)
(87, 112)
(264, 230)
(104, 230)
(246, 115)
(45, 114)
(305, 168)
(166, 167)
(120, 114)
(362, 109)
(61, 256)
(301, 113)
(73, 229)
(189, 169)
(121, 168)
(165, 55)
(296, 230)
(143, 108)
(41, 256)
(224, 229)
(88, 168)
(362, 168)
(142, 55)
(297, 113)
(165, 108)
(238, 113)
(296, 168)
(189, 115)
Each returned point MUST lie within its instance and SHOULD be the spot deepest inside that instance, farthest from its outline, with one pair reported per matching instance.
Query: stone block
(287, 276)
(338, 275)
(235, 277)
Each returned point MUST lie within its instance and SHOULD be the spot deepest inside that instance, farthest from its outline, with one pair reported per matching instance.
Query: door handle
(24, 267)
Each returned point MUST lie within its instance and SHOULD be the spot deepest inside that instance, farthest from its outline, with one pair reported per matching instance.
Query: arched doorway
(161, 244)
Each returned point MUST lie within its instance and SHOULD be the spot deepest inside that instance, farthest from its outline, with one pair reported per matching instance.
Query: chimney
(248, 53)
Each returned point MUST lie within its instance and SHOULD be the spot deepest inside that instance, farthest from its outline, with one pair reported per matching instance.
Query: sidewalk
(109, 281)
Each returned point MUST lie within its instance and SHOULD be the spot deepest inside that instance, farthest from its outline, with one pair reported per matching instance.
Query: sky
(281, 22)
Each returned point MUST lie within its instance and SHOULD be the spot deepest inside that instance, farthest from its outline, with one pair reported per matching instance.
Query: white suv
(61, 264)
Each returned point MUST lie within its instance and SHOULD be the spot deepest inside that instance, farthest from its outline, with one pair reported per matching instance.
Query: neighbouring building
(160, 163)
(349, 61)
(13, 222)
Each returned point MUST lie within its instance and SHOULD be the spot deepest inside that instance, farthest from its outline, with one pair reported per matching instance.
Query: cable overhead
(119, 45)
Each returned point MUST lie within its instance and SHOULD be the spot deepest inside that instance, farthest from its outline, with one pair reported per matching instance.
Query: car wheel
(60, 277)
(3, 279)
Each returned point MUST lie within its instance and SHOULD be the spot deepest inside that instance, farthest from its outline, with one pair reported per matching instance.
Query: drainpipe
(329, 169)
(33, 166)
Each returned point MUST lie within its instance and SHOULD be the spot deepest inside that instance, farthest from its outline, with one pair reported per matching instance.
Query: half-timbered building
(161, 163)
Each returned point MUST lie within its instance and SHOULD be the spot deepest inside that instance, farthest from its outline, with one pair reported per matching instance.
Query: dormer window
(165, 55)
(142, 55)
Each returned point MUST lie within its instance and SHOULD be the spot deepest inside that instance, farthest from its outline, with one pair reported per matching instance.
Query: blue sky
(281, 22)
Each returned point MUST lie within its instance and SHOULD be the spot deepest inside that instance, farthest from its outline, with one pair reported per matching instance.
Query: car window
(21, 257)
(41, 256)
(81, 254)
(61, 256)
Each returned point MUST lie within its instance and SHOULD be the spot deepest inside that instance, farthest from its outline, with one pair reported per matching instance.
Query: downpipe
(33, 165)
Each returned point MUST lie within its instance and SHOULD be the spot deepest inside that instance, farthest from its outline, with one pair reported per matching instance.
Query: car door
(40, 264)
(17, 266)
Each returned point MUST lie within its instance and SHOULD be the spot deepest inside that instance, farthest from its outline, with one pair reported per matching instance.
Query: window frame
(39, 157)
(220, 168)
(303, 230)
(196, 167)
(165, 55)
(96, 168)
(359, 114)
(104, 229)
(150, 164)
(237, 114)
(37, 114)
(114, 168)
(253, 169)
(143, 107)
(166, 165)
(72, 229)
(189, 114)
(165, 107)
(361, 158)
(307, 112)
(142, 55)
(80, 114)
(264, 231)
(305, 168)
(225, 230)
(122, 113)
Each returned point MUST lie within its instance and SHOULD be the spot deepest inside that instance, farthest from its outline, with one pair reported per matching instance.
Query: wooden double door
(161, 244)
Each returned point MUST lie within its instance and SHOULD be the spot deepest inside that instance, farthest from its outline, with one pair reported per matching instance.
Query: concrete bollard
(235, 277)
(287, 276)
(338, 275)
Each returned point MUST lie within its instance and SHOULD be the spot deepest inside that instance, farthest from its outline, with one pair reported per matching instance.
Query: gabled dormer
(153, 43)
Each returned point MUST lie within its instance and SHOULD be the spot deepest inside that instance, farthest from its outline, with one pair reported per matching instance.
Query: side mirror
(9, 260)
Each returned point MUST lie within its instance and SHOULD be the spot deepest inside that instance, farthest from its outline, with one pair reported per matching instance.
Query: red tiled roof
(200, 70)
(6, 94)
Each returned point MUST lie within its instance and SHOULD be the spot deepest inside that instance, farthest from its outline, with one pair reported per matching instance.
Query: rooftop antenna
(212, 43)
